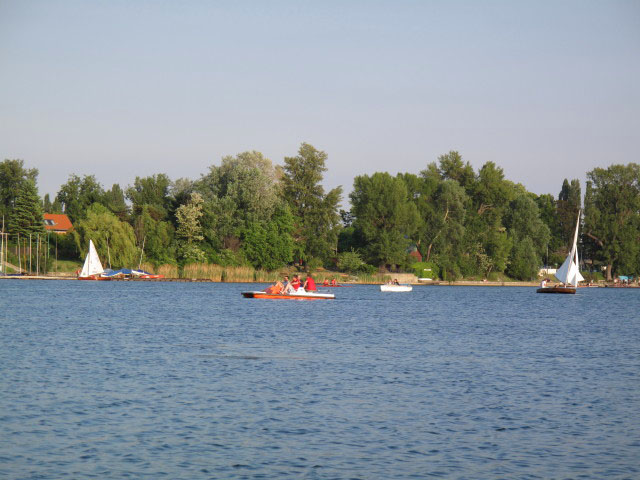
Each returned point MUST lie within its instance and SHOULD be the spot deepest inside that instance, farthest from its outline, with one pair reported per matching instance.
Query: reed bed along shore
(219, 273)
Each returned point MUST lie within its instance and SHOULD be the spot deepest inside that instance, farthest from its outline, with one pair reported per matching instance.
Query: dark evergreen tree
(13, 177)
(568, 206)
(27, 217)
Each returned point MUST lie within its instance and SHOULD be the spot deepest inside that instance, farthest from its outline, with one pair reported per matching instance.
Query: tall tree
(568, 206)
(385, 218)
(316, 214)
(189, 231)
(13, 177)
(115, 202)
(155, 236)
(529, 235)
(269, 244)
(47, 206)
(152, 191)
(443, 226)
(26, 217)
(78, 194)
(241, 191)
(486, 240)
(612, 217)
(452, 167)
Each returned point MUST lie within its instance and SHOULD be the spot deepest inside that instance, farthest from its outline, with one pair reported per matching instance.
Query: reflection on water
(108, 380)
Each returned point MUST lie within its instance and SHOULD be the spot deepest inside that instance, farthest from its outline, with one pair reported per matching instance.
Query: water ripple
(198, 382)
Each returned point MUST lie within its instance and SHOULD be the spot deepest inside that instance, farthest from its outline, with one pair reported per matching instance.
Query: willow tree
(114, 239)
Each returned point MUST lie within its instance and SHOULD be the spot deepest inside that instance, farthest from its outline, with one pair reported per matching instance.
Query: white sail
(569, 272)
(92, 265)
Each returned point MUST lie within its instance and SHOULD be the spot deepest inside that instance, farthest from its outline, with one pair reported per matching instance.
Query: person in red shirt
(295, 283)
(310, 284)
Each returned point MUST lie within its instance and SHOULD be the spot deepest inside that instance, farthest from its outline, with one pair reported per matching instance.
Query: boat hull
(396, 288)
(289, 296)
(556, 290)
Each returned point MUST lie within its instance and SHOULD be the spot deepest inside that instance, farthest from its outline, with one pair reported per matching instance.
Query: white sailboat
(569, 272)
(92, 268)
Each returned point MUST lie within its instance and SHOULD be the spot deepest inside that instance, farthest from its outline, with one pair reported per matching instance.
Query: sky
(547, 90)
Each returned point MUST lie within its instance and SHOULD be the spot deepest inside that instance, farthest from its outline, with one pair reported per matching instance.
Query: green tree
(47, 206)
(384, 217)
(156, 236)
(485, 237)
(529, 236)
(547, 206)
(444, 230)
(153, 191)
(451, 167)
(350, 262)
(115, 202)
(189, 231)
(317, 222)
(568, 206)
(13, 176)
(26, 217)
(114, 240)
(241, 191)
(524, 260)
(612, 218)
(78, 194)
(269, 245)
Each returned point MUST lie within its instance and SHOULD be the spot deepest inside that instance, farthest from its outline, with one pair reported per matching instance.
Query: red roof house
(57, 223)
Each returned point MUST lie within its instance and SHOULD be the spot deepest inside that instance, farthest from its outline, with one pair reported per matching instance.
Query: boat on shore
(92, 268)
(299, 294)
(569, 273)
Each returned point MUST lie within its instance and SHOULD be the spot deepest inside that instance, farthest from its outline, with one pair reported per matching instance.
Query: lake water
(190, 380)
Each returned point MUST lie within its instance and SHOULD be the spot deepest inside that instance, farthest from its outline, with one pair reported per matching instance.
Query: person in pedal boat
(310, 284)
(326, 282)
(295, 283)
(279, 287)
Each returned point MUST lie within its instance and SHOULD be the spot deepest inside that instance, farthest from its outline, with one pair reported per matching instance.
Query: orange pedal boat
(298, 295)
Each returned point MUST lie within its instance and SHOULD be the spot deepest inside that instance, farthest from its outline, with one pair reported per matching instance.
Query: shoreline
(457, 283)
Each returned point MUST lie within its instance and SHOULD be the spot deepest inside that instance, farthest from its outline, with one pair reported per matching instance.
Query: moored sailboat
(569, 272)
(92, 268)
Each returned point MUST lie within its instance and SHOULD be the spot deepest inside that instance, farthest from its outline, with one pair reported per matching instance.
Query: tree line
(249, 211)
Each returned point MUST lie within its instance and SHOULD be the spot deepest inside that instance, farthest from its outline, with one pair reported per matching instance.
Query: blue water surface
(190, 380)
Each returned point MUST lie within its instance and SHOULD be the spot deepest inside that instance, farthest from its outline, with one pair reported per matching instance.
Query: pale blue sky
(546, 89)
